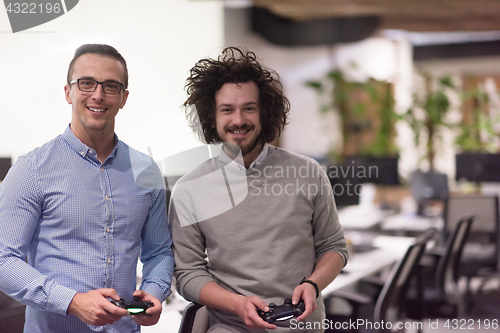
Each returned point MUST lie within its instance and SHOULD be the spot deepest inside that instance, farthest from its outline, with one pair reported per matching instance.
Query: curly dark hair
(234, 65)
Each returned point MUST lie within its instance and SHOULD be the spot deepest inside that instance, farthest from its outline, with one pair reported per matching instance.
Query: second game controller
(282, 312)
(136, 306)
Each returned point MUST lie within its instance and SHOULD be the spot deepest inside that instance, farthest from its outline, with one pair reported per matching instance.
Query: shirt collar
(80, 147)
(224, 157)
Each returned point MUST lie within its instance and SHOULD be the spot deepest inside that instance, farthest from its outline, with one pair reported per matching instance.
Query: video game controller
(283, 312)
(136, 306)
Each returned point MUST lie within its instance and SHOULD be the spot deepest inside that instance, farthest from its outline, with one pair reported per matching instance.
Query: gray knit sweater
(254, 232)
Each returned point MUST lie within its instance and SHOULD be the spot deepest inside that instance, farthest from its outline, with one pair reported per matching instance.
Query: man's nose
(238, 118)
(98, 93)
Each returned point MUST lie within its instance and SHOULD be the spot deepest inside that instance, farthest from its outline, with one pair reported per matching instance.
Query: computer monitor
(345, 191)
(428, 186)
(347, 178)
(5, 164)
(476, 167)
(375, 170)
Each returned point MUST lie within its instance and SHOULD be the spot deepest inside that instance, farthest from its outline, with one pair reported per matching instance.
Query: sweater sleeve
(327, 232)
(191, 271)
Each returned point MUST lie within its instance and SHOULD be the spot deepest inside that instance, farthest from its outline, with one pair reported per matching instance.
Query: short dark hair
(100, 49)
(234, 65)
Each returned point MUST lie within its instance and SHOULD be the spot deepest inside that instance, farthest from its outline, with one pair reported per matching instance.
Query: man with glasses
(76, 213)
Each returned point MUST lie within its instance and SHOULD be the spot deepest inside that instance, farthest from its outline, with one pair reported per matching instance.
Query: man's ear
(67, 90)
(125, 96)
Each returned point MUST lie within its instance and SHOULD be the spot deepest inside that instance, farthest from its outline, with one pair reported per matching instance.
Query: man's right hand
(246, 308)
(214, 296)
(93, 308)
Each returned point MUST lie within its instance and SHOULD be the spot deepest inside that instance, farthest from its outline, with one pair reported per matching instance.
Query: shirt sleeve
(156, 253)
(21, 205)
(327, 232)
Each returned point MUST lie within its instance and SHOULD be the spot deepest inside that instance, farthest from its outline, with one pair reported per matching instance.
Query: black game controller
(136, 306)
(283, 312)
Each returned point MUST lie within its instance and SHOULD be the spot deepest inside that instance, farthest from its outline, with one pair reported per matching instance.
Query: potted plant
(366, 113)
(367, 122)
(427, 116)
(477, 130)
(477, 141)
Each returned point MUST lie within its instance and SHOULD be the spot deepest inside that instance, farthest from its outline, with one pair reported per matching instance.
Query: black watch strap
(304, 280)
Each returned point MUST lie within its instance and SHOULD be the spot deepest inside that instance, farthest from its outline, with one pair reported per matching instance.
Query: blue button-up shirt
(70, 224)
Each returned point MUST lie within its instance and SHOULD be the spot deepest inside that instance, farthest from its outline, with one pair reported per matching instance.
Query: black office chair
(194, 319)
(388, 305)
(442, 298)
(11, 315)
(481, 253)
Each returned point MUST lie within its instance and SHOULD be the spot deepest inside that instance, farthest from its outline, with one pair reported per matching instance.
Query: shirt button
(108, 261)
(83, 153)
(106, 197)
(91, 151)
(102, 169)
(108, 229)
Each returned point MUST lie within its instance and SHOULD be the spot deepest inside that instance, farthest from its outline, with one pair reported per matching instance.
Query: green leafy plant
(366, 111)
(477, 131)
(428, 114)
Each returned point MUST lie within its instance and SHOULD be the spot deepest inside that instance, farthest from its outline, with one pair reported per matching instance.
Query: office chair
(388, 305)
(481, 253)
(11, 315)
(443, 298)
(194, 319)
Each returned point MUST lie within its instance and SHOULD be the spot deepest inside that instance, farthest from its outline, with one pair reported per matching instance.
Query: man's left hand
(307, 293)
(153, 314)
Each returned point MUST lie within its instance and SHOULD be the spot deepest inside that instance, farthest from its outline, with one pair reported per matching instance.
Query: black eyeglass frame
(122, 86)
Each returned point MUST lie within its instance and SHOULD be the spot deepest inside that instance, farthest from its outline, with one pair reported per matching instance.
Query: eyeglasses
(89, 85)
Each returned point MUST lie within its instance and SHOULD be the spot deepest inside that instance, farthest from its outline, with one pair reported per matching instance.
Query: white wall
(160, 40)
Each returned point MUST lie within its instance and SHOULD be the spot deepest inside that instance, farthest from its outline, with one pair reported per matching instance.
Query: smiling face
(94, 112)
(237, 117)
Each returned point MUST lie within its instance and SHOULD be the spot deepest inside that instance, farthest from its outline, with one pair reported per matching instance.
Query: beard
(238, 144)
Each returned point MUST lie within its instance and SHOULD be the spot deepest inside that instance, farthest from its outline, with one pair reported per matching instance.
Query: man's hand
(213, 295)
(246, 308)
(153, 314)
(93, 308)
(307, 293)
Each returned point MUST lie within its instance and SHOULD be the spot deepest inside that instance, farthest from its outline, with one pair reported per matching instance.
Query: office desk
(389, 250)
(362, 217)
(401, 224)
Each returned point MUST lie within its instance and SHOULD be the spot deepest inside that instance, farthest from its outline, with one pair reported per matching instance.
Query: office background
(161, 40)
